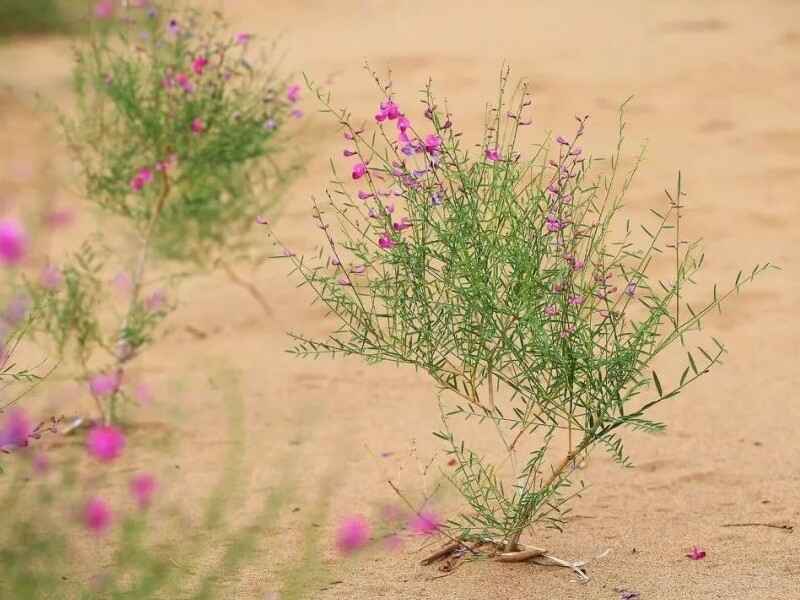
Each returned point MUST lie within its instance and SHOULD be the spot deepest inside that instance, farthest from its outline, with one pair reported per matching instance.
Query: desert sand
(715, 88)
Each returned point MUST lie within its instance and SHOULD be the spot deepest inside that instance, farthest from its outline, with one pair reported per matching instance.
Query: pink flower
(562, 141)
(13, 242)
(492, 154)
(359, 169)
(353, 533)
(293, 93)
(141, 179)
(348, 153)
(362, 195)
(630, 289)
(296, 113)
(143, 486)
(388, 110)
(16, 430)
(182, 79)
(551, 310)
(358, 269)
(156, 301)
(96, 515)
(104, 9)
(433, 144)
(697, 553)
(424, 523)
(105, 442)
(403, 123)
(403, 224)
(553, 224)
(104, 384)
(568, 331)
(51, 278)
(385, 241)
(242, 39)
(576, 300)
(199, 64)
(198, 125)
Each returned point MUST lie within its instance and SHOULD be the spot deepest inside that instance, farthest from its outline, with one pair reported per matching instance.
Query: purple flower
(697, 553)
(296, 113)
(348, 153)
(408, 150)
(105, 442)
(13, 242)
(433, 144)
(576, 300)
(492, 154)
(630, 289)
(551, 310)
(143, 177)
(553, 224)
(242, 39)
(16, 430)
(270, 124)
(403, 123)
(437, 199)
(388, 110)
(96, 515)
(198, 125)
(156, 301)
(293, 93)
(143, 486)
(402, 224)
(424, 523)
(359, 170)
(352, 534)
(385, 241)
(358, 269)
(362, 195)
(199, 65)
(562, 141)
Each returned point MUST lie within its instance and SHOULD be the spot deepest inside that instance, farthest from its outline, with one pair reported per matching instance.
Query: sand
(715, 86)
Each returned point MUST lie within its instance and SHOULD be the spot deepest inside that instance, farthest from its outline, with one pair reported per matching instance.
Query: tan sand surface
(716, 86)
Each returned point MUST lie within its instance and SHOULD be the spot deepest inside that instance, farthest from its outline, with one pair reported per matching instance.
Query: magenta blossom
(141, 179)
(359, 170)
(576, 300)
(182, 79)
(385, 241)
(433, 144)
(16, 430)
(105, 442)
(362, 195)
(553, 224)
(51, 277)
(388, 110)
(352, 534)
(348, 153)
(403, 224)
(344, 280)
(403, 123)
(630, 289)
(293, 93)
(242, 39)
(562, 141)
(424, 523)
(198, 125)
(551, 310)
(96, 515)
(199, 65)
(104, 9)
(697, 553)
(492, 154)
(143, 486)
(13, 242)
(105, 384)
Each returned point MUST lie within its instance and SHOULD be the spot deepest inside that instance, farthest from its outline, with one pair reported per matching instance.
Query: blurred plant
(175, 132)
(32, 16)
(59, 509)
(510, 282)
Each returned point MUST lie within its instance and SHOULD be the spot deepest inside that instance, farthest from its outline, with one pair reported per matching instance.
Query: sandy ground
(715, 87)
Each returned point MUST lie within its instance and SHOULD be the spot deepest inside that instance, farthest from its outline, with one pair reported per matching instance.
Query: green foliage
(513, 285)
(32, 16)
(140, 90)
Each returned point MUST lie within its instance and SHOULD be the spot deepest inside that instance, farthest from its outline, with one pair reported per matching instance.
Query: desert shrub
(176, 133)
(517, 285)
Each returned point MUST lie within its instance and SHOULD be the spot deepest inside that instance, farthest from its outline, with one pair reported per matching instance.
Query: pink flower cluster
(13, 242)
(353, 533)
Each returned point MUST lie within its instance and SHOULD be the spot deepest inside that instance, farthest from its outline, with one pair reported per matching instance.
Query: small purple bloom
(352, 534)
(13, 242)
(15, 430)
(492, 154)
(105, 443)
(96, 515)
(425, 523)
(143, 486)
